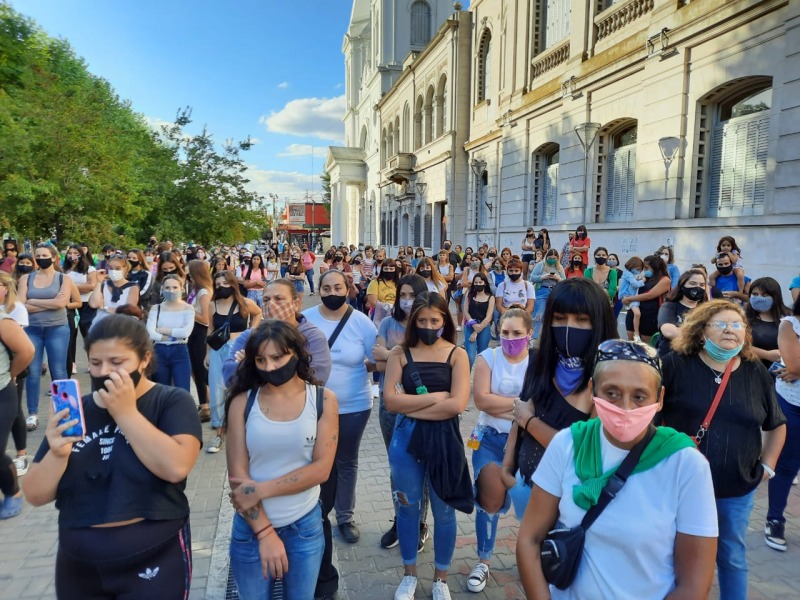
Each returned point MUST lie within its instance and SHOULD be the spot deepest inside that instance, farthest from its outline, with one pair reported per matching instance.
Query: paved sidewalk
(27, 554)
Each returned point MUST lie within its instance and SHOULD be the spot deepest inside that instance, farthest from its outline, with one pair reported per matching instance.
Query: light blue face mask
(720, 354)
(171, 296)
(648, 274)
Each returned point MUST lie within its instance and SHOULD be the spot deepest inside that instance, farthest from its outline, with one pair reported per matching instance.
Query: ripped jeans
(409, 479)
(491, 450)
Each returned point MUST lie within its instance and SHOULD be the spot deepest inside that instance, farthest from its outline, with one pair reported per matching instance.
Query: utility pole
(274, 213)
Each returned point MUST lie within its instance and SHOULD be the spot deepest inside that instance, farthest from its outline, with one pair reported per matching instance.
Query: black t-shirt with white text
(105, 482)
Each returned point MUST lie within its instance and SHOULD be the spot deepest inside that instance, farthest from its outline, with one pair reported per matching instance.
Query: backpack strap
(251, 398)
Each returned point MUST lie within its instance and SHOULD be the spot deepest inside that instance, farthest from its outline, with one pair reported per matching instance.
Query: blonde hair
(691, 338)
(11, 295)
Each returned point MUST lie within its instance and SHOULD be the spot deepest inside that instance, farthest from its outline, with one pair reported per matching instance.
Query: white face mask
(115, 274)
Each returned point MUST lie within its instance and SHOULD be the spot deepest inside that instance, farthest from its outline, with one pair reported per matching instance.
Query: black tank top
(436, 376)
(238, 323)
(477, 310)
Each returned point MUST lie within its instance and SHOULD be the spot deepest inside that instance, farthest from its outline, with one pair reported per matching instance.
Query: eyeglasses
(723, 325)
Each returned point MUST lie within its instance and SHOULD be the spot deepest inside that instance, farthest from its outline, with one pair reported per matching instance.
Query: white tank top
(790, 391)
(507, 380)
(279, 447)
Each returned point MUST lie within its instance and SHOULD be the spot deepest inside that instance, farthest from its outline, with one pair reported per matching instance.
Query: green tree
(325, 177)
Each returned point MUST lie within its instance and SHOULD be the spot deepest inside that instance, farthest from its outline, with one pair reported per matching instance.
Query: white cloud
(255, 140)
(309, 117)
(286, 184)
(299, 150)
(338, 86)
(156, 123)
(283, 85)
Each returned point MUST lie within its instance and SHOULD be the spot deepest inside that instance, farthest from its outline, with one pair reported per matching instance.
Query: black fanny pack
(562, 550)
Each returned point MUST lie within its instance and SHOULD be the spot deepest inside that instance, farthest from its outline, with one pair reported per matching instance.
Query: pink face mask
(624, 425)
(514, 347)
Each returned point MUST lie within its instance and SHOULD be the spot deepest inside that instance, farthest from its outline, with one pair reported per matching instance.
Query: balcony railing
(550, 59)
(618, 16)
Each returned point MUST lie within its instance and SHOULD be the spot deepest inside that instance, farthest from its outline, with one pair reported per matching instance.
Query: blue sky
(271, 69)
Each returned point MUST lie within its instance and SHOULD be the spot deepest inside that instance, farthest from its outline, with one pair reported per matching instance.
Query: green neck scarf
(589, 459)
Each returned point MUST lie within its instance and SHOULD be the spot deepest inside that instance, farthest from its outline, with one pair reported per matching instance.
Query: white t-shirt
(432, 287)
(80, 279)
(629, 548)
(790, 391)
(515, 292)
(507, 380)
(19, 313)
(348, 378)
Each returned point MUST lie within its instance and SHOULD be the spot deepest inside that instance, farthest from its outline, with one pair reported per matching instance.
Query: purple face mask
(514, 347)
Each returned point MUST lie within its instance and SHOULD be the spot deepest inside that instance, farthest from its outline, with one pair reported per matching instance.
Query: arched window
(428, 230)
(418, 123)
(406, 128)
(737, 177)
(383, 147)
(420, 23)
(417, 237)
(620, 184)
(545, 184)
(390, 141)
(441, 106)
(428, 111)
(364, 139)
(484, 65)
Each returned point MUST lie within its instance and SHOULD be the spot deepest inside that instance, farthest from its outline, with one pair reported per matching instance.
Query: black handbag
(562, 550)
(220, 336)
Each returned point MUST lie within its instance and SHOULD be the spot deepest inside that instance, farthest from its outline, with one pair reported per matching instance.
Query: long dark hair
(676, 294)
(167, 257)
(288, 339)
(417, 283)
(246, 276)
(772, 288)
(485, 278)
(432, 300)
(129, 330)
(230, 279)
(81, 266)
(659, 267)
(571, 296)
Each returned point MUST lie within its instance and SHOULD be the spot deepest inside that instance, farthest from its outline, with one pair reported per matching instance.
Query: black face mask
(577, 264)
(478, 288)
(99, 383)
(514, 276)
(44, 263)
(600, 260)
(333, 302)
(447, 246)
(693, 293)
(723, 270)
(24, 269)
(388, 275)
(572, 341)
(429, 336)
(426, 273)
(492, 254)
(133, 263)
(281, 375)
(337, 259)
(224, 292)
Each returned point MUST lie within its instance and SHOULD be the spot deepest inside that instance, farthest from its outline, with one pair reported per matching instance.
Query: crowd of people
(696, 408)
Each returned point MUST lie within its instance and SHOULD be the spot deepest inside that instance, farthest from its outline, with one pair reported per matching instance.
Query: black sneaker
(774, 536)
(349, 532)
(423, 536)
(389, 539)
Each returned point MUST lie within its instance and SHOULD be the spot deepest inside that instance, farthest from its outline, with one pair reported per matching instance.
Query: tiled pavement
(28, 542)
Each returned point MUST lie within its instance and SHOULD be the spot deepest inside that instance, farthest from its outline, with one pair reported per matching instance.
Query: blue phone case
(66, 394)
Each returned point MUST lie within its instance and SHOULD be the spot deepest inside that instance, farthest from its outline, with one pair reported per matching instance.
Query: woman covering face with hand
(273, 408)
(120, 496)
(669, 547)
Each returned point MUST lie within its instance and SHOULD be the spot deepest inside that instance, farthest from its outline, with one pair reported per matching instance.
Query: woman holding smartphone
(128, 532)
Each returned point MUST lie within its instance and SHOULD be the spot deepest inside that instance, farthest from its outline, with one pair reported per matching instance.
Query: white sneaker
(406, 589)
(477, 579)
(32, 422)
(216, 445)
(21, 465)
(458, 327)
(440, 590)
(636, 338)
(376, 391)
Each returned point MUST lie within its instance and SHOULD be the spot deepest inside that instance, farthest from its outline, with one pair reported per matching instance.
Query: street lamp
(421, 187)
(586, 132)
(669, 148)
(478, 167)
(274, 225)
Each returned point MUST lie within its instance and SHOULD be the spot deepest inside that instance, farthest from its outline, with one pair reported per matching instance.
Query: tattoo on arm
(252, 514)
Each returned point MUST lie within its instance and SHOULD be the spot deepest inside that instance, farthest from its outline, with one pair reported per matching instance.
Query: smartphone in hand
(66, 394)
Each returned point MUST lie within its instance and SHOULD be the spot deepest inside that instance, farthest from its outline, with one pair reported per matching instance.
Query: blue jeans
(172, 365)
(54, 339)
(538, 314)
(351, 430)
(520, 495)
(216, 383)
(310, 277)
(480, 344)
(409, 478)
(788, 463)
(491, 450)
(733, 515)
(303, 542)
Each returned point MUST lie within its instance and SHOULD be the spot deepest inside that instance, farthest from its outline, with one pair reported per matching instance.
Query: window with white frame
(556, 23)
(484, 65)
(620, 190)
(545, 181)
(737, 178)
(420, 23)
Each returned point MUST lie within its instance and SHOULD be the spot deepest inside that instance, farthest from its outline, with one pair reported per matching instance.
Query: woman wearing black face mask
(555, 394)
(46, 294)
(382, 291)
(427, 382)
(149, 461)
(351, 337)
(602, 274)
(690, 291)
(576, 266)
(228, 305)
(273, 408)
